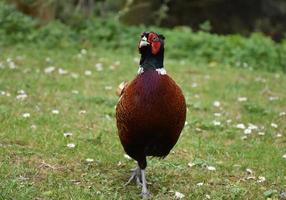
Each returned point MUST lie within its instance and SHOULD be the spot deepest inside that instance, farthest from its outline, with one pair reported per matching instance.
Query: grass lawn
(214, 158)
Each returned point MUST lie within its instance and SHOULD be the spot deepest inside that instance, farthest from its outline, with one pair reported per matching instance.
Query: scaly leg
(136, 174)
(145, 192)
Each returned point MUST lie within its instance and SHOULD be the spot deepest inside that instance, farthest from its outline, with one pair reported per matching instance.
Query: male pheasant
(151, 111)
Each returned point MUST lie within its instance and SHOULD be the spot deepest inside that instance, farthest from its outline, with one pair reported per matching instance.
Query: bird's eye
(155, 39)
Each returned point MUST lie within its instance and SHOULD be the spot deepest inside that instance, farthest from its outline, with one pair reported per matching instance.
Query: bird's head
(151, 42)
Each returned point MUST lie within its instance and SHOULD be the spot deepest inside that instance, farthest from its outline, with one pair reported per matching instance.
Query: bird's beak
(143, 42)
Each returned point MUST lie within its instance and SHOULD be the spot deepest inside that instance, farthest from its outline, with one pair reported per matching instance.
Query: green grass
(35, 162)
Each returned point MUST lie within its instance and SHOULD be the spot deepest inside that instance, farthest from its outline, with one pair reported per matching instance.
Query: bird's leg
(136, 174)
(145, 192)
(138, 177)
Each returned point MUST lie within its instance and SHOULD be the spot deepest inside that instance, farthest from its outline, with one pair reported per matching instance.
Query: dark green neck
(150, 61)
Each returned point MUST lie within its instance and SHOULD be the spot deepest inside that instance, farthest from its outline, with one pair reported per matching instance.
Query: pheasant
(151, 111)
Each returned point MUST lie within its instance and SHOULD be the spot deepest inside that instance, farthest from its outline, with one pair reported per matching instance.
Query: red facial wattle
(154, 40)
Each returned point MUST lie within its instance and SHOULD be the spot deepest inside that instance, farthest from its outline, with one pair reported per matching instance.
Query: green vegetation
(36, 162)
(58, 79)
(256, 51)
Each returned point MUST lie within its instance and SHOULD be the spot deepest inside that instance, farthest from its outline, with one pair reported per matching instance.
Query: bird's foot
(139, 176)
(145, 195)
(136, 175)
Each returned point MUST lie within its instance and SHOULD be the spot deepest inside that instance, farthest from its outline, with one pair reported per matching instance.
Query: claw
(136, 175)
(139, 176)
(145, 195)
(138, 181)
(130, 179)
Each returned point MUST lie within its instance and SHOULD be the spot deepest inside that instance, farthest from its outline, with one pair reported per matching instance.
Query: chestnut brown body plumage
(150, 116)
(151, 111)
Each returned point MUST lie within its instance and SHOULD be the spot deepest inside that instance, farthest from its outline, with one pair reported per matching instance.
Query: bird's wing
(121, 88)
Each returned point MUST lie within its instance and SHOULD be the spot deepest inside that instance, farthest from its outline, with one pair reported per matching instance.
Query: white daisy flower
(200, 184)
(240, 126)
(242, 99)
(279, 135)
(12, 65)
(117, 63)
(282, 114)
(99, 67)
(190, 164)
(21, 97)
(55, 112)
(82, 112)
(33, 126)
(197, 96)
(71, 145)
(21, 92)
(62, 71)
(48, 59)
(211, 168)
(261, 133)
(108, 87)
(111, 67)
(74, 75)
(194, 85)
(216, 123)
(273, 98)
(87, 72)
(207, 77)
(89, 160)
(247, 131)
(216, 104)
(83, 51)
(49, 69)
(261, 179)
(274, 125)
(179, 195)
(252, 126)
(217, 114)
(26, 115)
(75, 92)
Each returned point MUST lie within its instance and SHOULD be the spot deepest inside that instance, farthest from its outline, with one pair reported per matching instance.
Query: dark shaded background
(216, 16)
